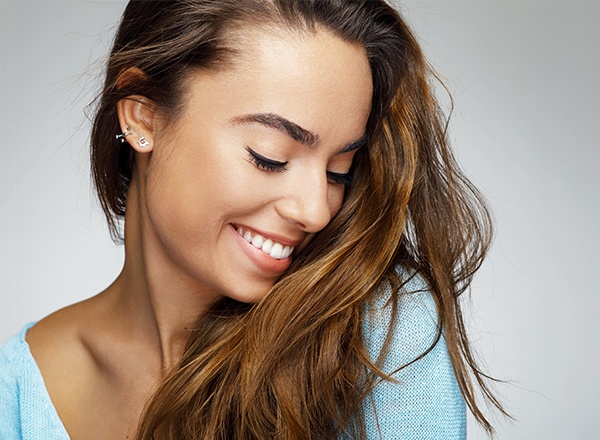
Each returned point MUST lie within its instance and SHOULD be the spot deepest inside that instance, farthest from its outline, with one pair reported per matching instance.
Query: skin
(193, 185)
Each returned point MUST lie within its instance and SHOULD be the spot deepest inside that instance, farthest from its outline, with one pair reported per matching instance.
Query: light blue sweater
(424, 404)
(27, 412)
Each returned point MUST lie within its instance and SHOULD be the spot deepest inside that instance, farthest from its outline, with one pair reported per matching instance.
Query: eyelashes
(340, 178)
(273, 166)
(264, 163)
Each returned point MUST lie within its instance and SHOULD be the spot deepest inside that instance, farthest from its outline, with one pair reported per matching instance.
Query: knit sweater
(27, 412)
(424, 403)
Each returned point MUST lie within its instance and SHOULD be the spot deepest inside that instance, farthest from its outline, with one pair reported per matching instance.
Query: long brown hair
(294, 365)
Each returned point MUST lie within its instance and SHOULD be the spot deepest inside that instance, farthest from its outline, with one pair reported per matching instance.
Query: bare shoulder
(57, 344)
(57, 339)
(85, 356)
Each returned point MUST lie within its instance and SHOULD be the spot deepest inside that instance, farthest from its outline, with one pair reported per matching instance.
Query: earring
(122, 136)
(143, 143)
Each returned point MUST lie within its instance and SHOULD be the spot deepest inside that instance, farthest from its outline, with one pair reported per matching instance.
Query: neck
(160, 302)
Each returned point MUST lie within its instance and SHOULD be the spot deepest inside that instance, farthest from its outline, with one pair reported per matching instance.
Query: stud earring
(143, 143)
(121, 137)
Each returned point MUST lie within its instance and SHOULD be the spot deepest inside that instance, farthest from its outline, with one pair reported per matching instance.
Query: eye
(264, 163)
(340, 178)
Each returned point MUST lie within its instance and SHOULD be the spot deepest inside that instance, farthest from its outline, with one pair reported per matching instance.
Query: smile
(268, 246)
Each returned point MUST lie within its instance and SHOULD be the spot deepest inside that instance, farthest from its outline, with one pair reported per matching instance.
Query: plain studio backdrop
(524, 77)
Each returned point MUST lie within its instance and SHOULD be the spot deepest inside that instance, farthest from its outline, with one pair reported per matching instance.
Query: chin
(251, 293)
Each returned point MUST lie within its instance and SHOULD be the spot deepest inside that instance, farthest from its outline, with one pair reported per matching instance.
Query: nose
(307, 203)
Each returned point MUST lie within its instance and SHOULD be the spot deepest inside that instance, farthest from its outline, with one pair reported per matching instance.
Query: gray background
(524, 77)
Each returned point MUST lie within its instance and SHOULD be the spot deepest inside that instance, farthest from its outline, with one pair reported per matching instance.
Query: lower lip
(264, 261)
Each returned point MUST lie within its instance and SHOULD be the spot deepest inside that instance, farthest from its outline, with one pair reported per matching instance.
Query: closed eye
(270, 165)
(340, 178)
(264, 163)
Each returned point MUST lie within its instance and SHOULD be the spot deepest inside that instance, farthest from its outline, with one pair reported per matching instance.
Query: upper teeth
(268, 246)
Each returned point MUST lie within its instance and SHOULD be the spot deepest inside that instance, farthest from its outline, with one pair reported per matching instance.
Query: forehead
(315, 79)
(303, 50)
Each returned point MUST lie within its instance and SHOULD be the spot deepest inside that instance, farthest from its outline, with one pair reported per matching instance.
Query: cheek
(176, 191)
(169, 203)
(189, 196)
(336, 198)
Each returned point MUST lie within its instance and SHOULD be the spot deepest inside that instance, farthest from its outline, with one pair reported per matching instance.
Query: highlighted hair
(294, 365)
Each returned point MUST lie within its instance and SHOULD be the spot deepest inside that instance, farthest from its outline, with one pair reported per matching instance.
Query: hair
(294, 365)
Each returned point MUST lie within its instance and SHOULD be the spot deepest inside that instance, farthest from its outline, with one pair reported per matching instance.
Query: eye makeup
(340, 178)
(270, 165)
(264, 163)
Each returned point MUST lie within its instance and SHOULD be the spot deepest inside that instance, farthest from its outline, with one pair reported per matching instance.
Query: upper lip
(285, 241)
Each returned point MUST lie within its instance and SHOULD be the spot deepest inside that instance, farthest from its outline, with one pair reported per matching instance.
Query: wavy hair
(294, 365)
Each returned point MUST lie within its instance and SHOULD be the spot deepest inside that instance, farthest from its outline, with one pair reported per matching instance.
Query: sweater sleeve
(424, 402)
(10, 428)
(26, 411)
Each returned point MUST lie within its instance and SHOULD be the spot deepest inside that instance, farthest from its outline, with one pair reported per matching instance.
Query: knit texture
(26, 411)
(423, 404)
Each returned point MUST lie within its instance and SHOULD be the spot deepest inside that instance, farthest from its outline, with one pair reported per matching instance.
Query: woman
(296, 232)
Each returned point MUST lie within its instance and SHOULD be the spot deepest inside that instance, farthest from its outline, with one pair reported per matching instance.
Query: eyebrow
(277, 122)
(293, 130)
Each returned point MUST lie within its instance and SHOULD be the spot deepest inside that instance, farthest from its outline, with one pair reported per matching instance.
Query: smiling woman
(296, 231)
(230, 163)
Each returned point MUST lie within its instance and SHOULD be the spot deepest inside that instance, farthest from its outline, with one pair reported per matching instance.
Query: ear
(137, 114)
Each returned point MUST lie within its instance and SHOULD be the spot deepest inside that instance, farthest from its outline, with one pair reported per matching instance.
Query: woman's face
(255, 164)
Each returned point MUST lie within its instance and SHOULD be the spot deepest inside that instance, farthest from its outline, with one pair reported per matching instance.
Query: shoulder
(27, 411)
(408, 317)
(61, 344)
(423, 399)
(58, 345)
(55, 341)
(13, 351)
(14, 357)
